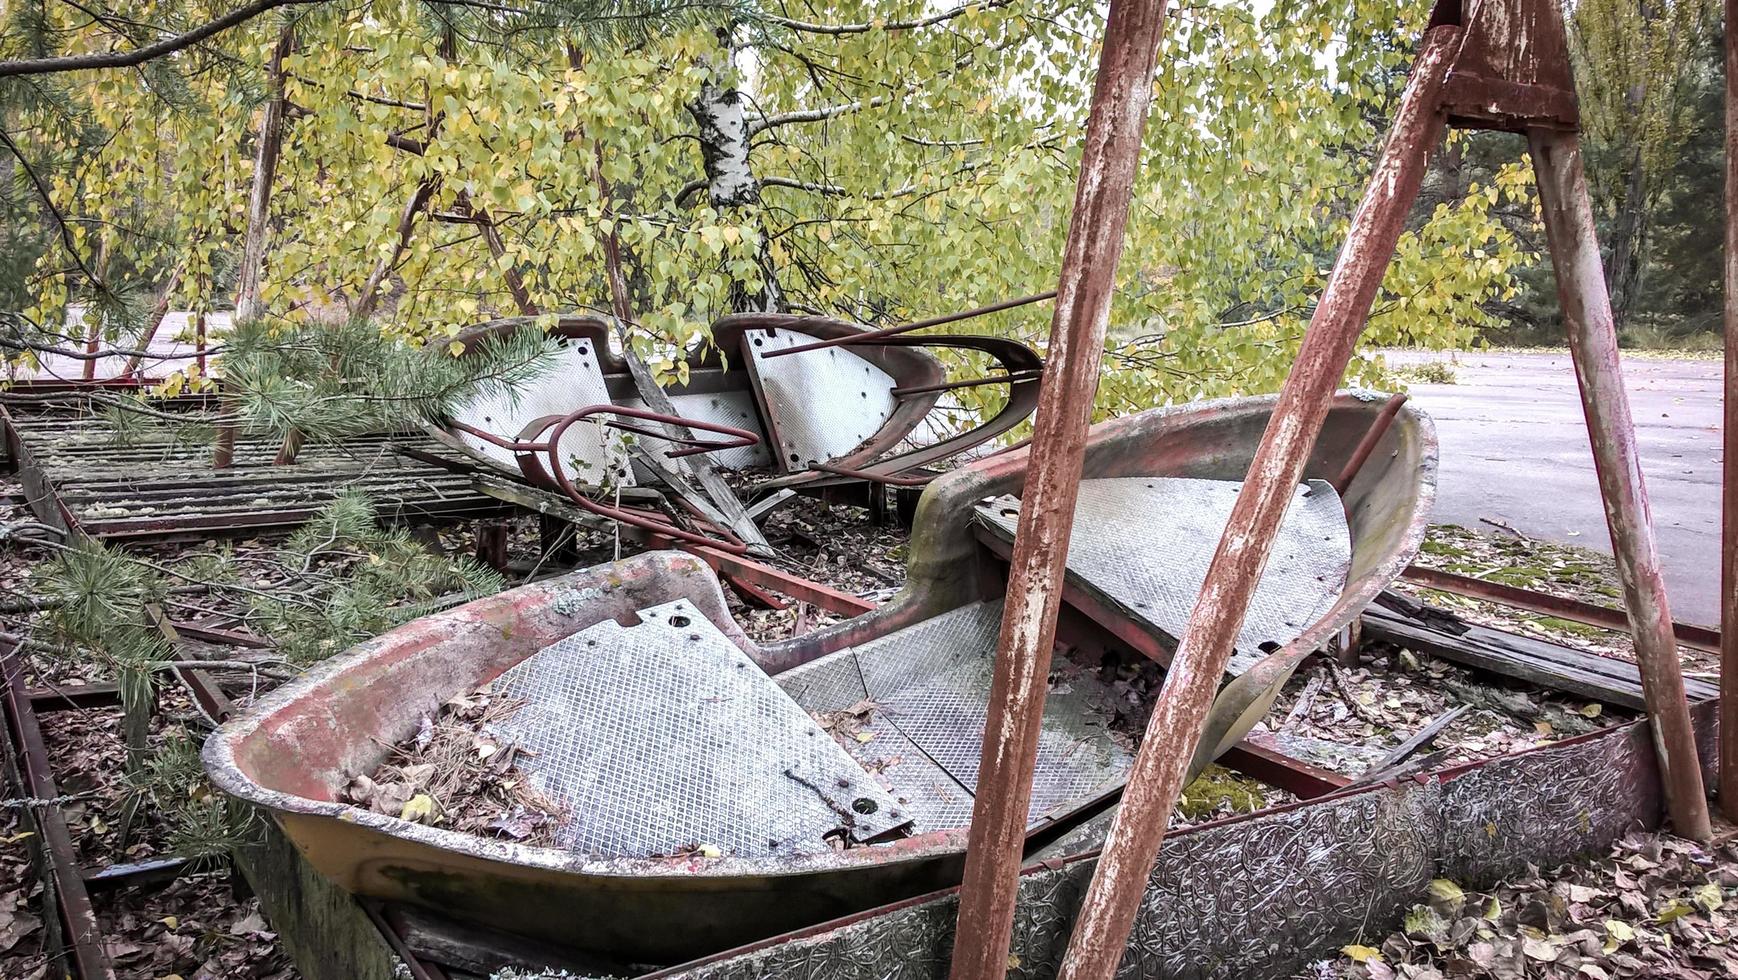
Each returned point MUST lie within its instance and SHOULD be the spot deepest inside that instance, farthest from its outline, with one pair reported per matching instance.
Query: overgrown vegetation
(342, 578)
(421, 166)
(324, 382)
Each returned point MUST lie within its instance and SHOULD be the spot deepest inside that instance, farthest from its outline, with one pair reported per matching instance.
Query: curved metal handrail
(543, 435)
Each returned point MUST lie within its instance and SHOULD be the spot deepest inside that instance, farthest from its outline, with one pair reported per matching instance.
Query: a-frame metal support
(1490, 64)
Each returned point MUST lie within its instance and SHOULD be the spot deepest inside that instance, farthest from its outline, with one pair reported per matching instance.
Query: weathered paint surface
(1729, 481)
(1175, 727)
(1569, 231)
(291, 753)
(1108, 162)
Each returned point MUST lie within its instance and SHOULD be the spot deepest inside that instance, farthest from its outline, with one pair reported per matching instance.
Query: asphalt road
(1515, 449)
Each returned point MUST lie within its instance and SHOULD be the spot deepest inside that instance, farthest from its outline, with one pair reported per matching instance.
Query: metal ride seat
(820, 418)
(901, 693)
(1141, 547)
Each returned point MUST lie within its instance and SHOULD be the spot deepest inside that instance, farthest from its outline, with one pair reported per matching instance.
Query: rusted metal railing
(542, 436)
(1568, 214)
(1367, 445)
(1574, 610)
(870, 336)
(1108, 162)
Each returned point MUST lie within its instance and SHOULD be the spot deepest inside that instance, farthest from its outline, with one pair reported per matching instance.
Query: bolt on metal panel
(822, 404)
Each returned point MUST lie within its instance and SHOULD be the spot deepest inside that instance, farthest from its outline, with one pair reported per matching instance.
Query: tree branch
(815, 115)
(54, 212)
(896, 25)
(138, 56)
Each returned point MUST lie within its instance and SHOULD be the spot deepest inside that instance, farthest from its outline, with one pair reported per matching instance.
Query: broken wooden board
(1429, 630)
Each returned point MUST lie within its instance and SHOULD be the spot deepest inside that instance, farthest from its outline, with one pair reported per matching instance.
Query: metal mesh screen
(1144, 543)
(663, 737)
(821, 404)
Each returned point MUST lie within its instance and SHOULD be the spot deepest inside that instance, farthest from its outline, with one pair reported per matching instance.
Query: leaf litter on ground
(1656, 906)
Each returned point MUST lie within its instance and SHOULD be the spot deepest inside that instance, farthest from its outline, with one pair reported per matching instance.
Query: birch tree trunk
(721, 113)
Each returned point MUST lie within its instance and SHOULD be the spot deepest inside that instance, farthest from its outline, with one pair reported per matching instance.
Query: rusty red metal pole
(1120, 879)
(1593, 347)
(1729, 479)
(1108, 161)
(1367, 445)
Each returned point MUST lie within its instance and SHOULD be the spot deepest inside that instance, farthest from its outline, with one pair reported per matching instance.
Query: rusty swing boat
(706, 806)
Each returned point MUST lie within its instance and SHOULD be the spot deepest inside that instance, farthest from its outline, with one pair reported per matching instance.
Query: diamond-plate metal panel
(1144, 544)
(734, 408)
(832, 683)
(928, 688)
(931, 647)
(933, 797)
(664, 736)
(1076, 757)
(592, 454)
(823, 403)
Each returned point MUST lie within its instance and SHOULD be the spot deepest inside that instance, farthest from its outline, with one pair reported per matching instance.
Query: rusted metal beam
(1121, 96)
(871, 336)
(1108, 911)
(73, 697)
(1266, 764)
(1729, 477)
(770, 578)
(1569, 232)
(1574, 610)
(200, 684)
(66, 883)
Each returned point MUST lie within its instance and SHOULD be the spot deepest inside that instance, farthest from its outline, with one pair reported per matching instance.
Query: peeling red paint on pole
(1108, 911)
(1108, 162)
(1729, 479)
(1569, 232)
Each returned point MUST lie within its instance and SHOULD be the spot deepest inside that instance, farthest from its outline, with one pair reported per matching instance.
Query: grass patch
(1427, 372)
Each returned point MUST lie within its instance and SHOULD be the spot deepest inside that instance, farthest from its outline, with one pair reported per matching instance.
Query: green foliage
(99, 595)
(900, 166)
(203, 823)
(343, 579)
(332, 381)
(379, 578)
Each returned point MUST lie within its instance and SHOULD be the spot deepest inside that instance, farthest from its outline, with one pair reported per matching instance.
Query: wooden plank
(1523, 658)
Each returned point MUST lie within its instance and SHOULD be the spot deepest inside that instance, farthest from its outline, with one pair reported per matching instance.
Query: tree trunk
(497, 248)
(265, 168)
(369, 298)
(158, 314)
(1628, 232)
(94, 330)
(721, 113)
(224, 455)
(657, 399)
